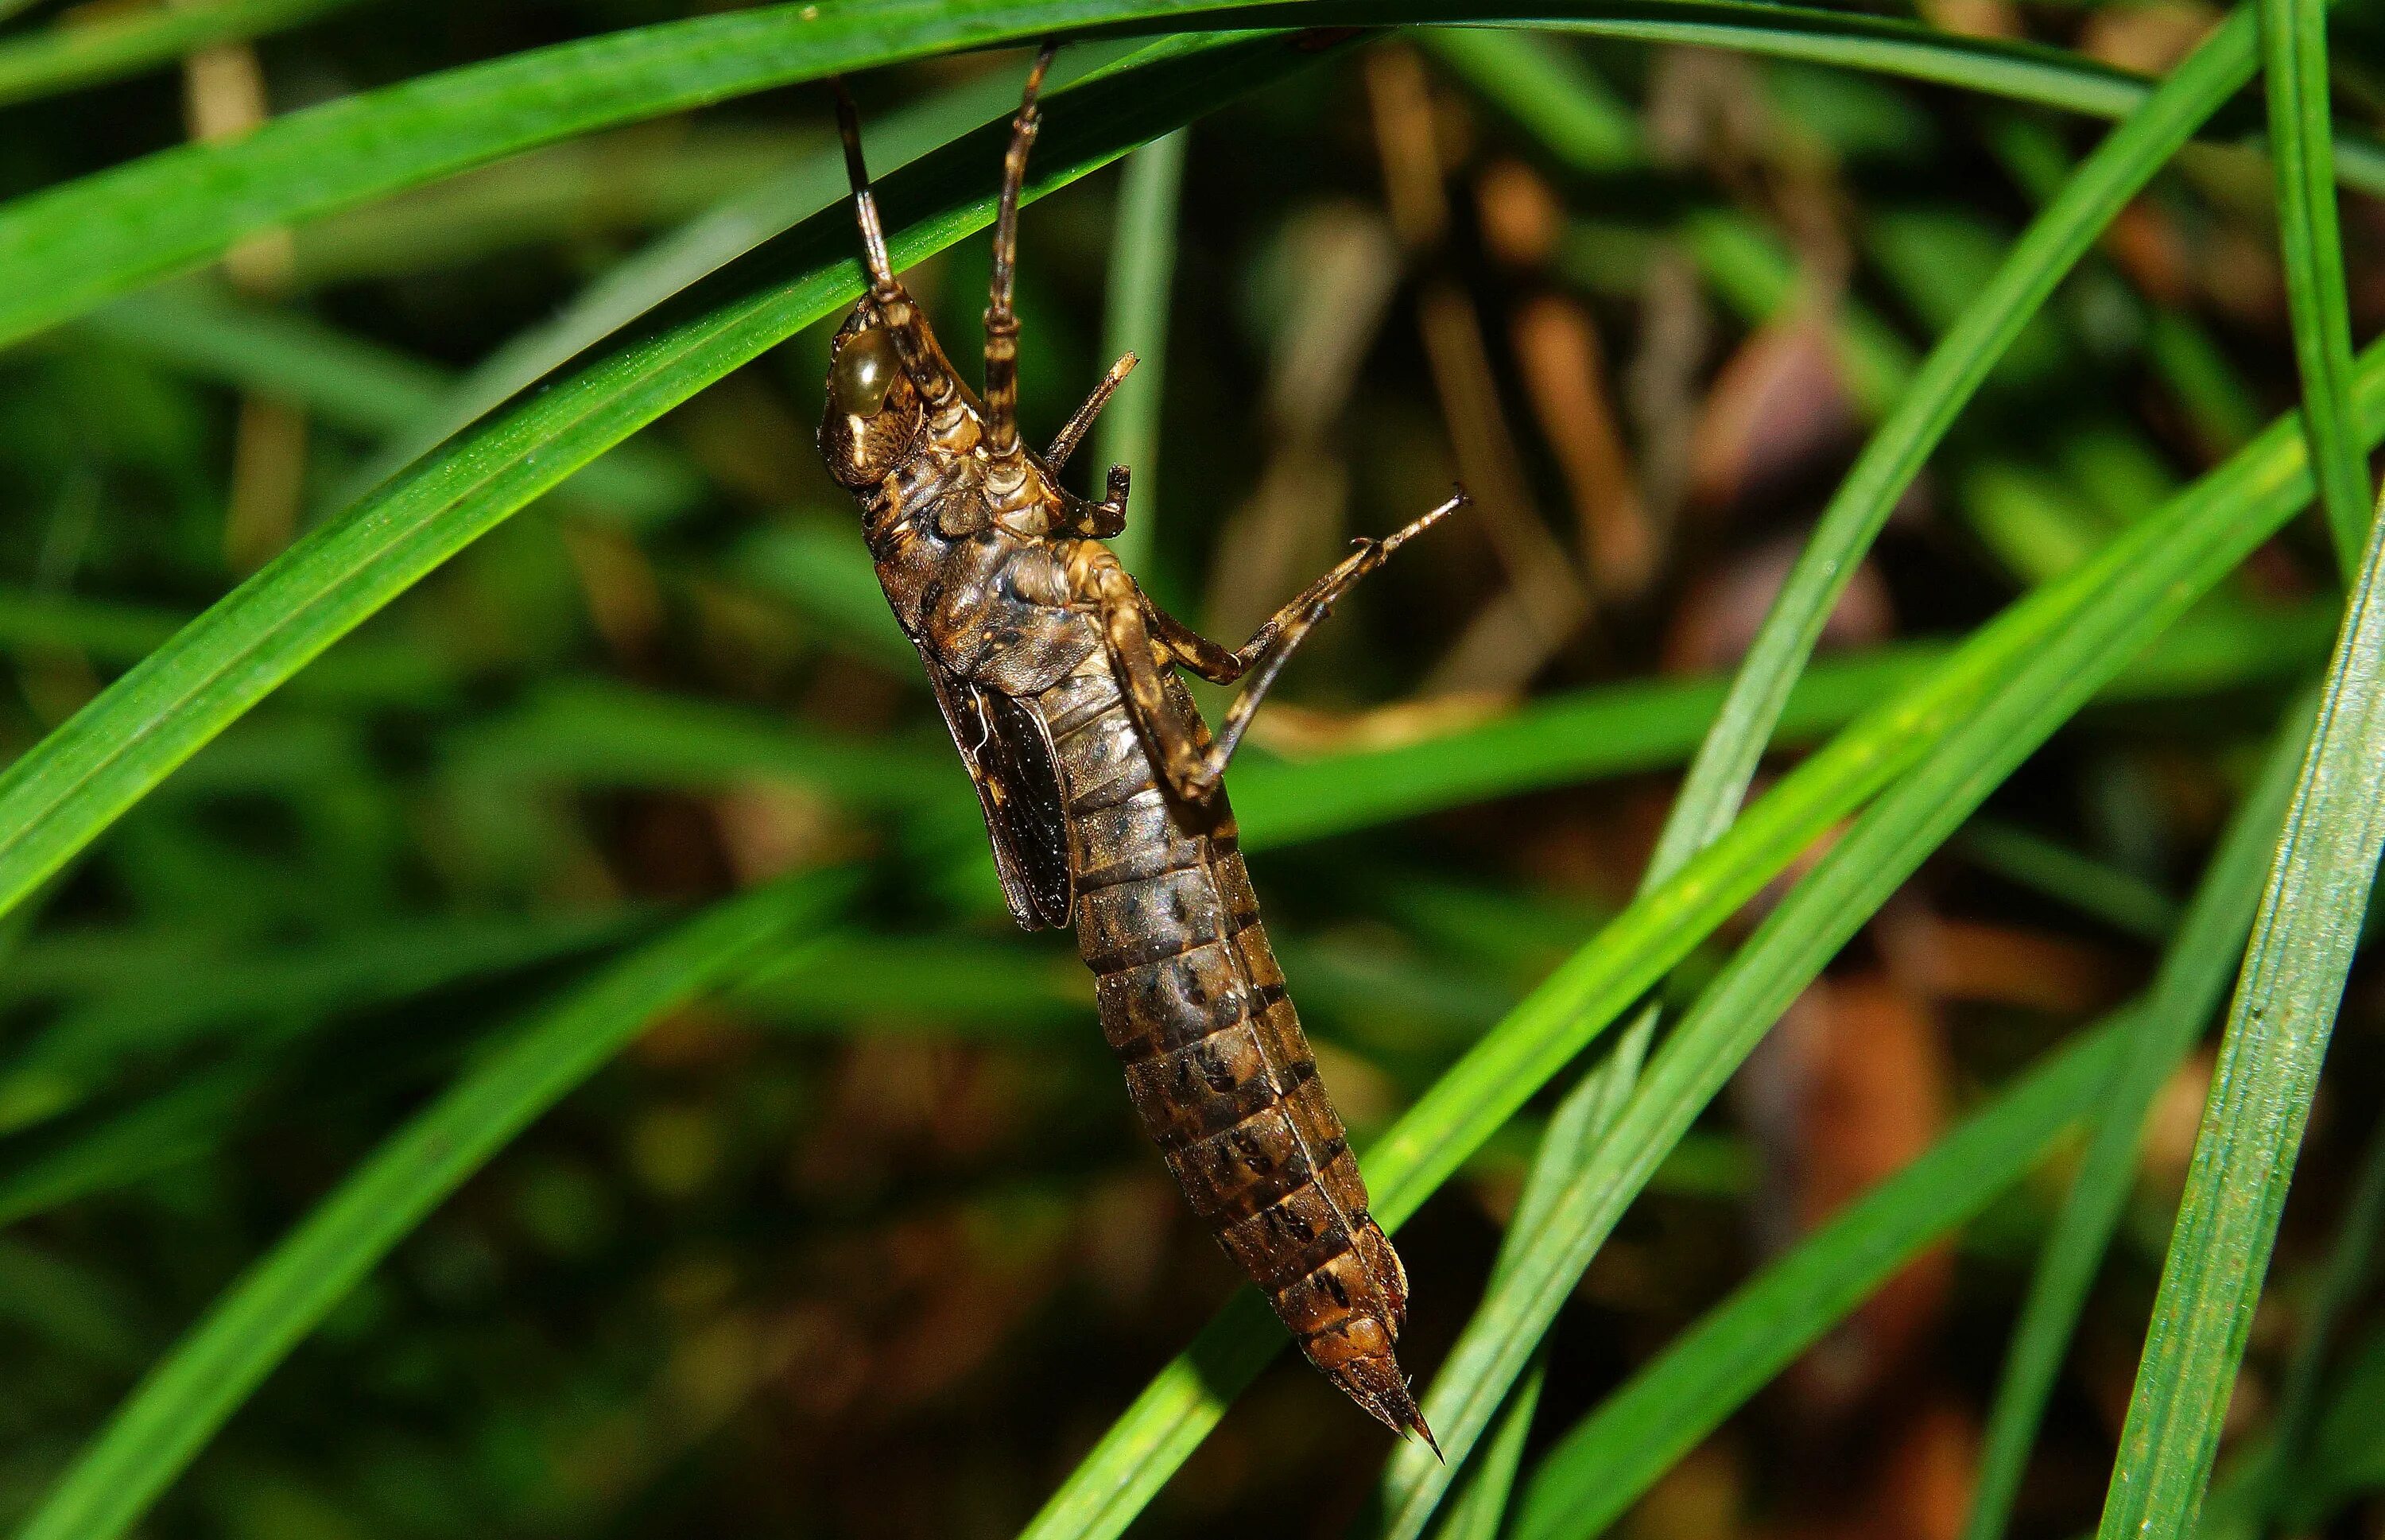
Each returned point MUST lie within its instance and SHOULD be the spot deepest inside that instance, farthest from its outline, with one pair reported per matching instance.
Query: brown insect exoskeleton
(1102, 787)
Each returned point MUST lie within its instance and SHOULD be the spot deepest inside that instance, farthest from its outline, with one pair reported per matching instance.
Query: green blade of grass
(2312, 1456)
(353, 384)
(1947, 379)
(68, 1058)
(1480, 1511)
(1550, 93)
(2270, 1059)
(85, 52)
(2120, 899)
(1860, 872)
(1608, 1459)
(69, 249)
(587, 732)
(2290, 1483)
(636, 285)
(1134, 319)
(124, 1146)
(178, 1404)
(55, 798)
(2302, 152)
(112, 633)
(1643, 725)
(2194, 969)
(604, 733)
(2151, 570)
(1517, 1309)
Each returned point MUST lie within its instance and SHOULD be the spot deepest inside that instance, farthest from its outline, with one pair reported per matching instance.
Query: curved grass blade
(1608, 1459)
(2194, 969)
(2269, 1067)
(2121, 899)
(2047, 647)
(596, 733)
(1467, 1393)
(1954, 372)
(1480, 1511)
(180, 1403)
(351, 384)
(2289, 1483)
(60, 794)
(635, 287)
(74, 54)
(67, 249)
(2301, 152)
(1134, 319)
(1550, 93)
(1859, 872)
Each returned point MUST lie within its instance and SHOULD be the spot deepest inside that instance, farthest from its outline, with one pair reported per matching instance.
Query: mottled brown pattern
(1103, 790)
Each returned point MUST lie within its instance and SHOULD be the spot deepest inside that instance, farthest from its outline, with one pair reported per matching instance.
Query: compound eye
(865, 370)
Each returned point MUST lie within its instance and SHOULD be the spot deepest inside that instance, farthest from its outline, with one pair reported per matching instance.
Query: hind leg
(1263, 657)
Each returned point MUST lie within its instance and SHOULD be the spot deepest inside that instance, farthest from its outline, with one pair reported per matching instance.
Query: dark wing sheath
(1009, 751)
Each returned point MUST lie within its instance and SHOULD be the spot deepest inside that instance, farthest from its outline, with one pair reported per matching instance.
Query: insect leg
(1214, 662)
(1001, 318)
(1074, 434)
(1141, 635)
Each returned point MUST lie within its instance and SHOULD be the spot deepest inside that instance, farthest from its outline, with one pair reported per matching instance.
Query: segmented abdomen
(1194, 1006)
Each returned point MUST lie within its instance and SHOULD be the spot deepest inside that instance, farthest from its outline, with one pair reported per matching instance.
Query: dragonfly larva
(1102, 787)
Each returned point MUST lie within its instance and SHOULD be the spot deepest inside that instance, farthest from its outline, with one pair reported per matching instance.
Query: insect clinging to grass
(1102, 787)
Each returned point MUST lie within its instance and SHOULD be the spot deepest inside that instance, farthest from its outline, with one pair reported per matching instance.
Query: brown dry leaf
(2148, 39)
(1544, 588)
(1701, 1497)
(268, 482)
(1987, 19)
(625, 599)
(2146, 245)
(1292, 526)
(1776, 405)
(1708, 106)
(1989, 964)
(769, 828)
(223, 98)
(1300, 733)
(1348, 268)
(1850, 1088)
(1661, 385)
(2173, 1122)
(1522, 219)
(1401, 97)
(1539, 571)
(1922, 1490)
(1291, 529)
(1565, 374)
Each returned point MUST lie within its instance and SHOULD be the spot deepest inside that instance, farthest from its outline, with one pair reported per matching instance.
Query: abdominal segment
(1192, 1003)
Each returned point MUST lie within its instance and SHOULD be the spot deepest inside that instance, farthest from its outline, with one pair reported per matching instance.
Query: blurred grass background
(857, 1236)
